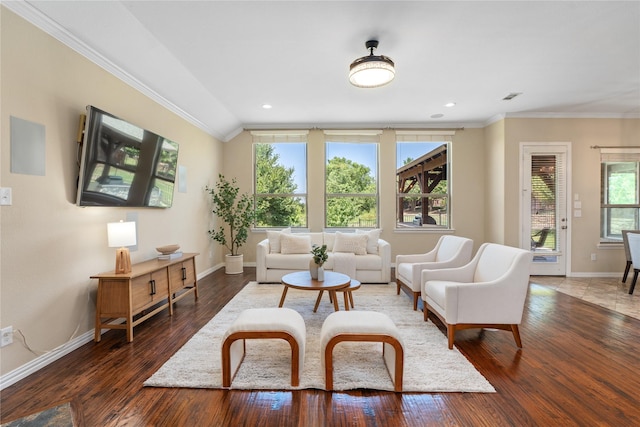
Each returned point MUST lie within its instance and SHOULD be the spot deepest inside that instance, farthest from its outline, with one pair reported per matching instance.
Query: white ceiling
(217, 62)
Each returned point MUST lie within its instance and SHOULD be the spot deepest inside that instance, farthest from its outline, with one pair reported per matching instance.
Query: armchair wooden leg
(451, 334)
(416, 295)
(425, 311)
(516, 335)
(397, 287)
(633, 282)
(626, 272)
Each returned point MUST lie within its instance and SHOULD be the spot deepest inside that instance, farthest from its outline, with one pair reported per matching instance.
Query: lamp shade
(372, 70)
(121, 234)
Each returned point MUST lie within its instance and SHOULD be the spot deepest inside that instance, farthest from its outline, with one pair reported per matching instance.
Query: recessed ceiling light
(267, 106)
(450, 104)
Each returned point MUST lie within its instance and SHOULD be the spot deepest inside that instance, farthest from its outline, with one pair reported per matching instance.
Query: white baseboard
(46, 359)
(40, 362)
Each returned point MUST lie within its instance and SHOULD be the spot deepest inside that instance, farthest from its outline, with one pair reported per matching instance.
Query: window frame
(444, 138)
(609, 157)
(281, 137)
(370, 137)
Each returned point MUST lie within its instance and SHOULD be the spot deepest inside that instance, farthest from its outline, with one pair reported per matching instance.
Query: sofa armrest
(262, 249)
(384, 251)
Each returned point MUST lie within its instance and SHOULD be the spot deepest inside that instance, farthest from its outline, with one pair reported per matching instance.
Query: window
(619, 193)
(422, 179)
(280, 172)
(351, 179)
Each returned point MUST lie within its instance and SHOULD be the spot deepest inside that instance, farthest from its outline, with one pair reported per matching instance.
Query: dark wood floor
(580, 365)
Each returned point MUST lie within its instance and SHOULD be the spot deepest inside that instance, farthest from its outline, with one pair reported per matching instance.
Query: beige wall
(49, 246)
(585, 180)
(494, 182)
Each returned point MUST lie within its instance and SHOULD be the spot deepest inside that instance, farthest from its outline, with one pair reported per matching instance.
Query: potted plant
(320, 256)
(237, 213)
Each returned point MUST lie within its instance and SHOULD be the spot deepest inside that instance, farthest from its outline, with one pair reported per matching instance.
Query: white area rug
(429, 365)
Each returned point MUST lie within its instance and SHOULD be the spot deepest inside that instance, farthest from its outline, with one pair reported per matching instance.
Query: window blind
(424, 136)
(271, 137)
(619, 155)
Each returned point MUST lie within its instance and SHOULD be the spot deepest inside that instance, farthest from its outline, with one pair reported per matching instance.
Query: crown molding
(551, 115)
(46, 24)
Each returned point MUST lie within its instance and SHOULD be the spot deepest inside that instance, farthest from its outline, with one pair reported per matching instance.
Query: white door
(544, 218)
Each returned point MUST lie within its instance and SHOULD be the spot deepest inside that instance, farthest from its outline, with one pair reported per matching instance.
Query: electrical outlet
(593, 257)
(6, 336)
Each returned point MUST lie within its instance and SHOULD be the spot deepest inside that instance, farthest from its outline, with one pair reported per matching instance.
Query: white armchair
(489, 292)
(450, 251)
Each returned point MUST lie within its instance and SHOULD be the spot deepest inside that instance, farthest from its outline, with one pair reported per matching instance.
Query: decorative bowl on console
(168, 249)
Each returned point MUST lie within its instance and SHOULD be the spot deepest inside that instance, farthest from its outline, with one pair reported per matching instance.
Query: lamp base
(123, 261)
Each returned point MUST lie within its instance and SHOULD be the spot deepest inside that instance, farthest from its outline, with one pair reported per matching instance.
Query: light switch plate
(5, 196)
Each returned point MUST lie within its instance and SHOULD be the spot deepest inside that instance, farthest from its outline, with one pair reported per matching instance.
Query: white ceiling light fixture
(372, 70)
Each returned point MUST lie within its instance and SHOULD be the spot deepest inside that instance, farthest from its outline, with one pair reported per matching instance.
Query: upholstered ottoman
(263, 323)
(362, 326)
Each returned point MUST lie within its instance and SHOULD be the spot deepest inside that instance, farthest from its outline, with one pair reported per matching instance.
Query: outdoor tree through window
(281, 184)
(351, 184)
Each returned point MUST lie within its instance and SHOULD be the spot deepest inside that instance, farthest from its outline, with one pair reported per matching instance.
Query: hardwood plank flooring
(579, 366)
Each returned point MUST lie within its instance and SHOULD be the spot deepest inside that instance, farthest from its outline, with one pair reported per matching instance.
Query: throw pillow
(292, 244)
(274, 239)
(329, 239)
(372, 239)
(355, 243)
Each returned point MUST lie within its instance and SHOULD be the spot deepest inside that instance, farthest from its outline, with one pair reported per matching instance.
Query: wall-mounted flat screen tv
(122, 164)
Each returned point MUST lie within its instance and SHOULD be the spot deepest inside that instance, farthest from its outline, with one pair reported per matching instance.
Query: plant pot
(233, 264)
(313, 269)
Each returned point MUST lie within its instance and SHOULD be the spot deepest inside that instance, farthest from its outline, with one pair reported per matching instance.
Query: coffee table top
(303, 280)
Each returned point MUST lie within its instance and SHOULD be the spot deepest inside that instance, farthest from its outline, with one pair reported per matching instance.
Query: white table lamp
(122, 234)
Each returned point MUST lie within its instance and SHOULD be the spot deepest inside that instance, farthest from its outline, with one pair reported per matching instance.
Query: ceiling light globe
(371, 73)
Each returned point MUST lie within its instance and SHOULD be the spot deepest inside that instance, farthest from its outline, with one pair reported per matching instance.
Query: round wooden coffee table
(302, 280)
(348, 296)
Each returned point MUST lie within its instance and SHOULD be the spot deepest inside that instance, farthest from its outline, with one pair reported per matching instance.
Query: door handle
(153, 286)
(184, 273)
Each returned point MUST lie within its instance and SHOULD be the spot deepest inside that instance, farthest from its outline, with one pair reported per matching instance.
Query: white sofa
(274, 258)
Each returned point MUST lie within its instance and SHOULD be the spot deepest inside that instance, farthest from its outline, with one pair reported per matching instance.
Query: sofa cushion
(274, 239)
(292, 244)
(288, 261)
(372, 239)
(363, 262)
(354, 243)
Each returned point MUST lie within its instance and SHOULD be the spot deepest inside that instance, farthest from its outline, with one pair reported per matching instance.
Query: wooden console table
(152, 285)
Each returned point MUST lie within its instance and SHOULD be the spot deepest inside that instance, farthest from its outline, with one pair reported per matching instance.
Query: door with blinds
(544, 219)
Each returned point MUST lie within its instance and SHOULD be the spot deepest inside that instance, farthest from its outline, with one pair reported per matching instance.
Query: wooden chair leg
(397, 287)
(516, 335)
(416, 295)
(633, 282)
(451, 334)
(425, 311)
(626, 272)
